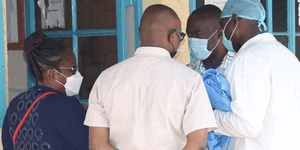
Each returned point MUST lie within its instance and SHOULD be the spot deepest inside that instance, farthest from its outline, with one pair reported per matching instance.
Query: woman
(56, 120)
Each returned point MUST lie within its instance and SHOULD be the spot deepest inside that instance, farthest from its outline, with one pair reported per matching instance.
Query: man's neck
(248, 34)
(215, 59)
(152, 43)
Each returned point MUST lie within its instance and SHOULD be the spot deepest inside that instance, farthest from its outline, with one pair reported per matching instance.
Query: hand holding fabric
(218, 90)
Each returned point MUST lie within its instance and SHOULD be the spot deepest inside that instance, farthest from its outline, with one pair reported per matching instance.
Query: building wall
(17, 81)
(17, 72)
(181, 7)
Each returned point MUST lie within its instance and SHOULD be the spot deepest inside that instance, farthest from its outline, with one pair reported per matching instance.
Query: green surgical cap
(248, 9)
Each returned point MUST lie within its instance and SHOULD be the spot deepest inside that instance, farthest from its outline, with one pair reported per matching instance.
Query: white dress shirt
(150, 102)
(265, 89)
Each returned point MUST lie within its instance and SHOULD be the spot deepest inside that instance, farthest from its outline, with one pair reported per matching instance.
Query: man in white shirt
(265, 83)
(150, 101)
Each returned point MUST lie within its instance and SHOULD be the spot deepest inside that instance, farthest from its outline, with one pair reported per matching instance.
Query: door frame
(3, 63)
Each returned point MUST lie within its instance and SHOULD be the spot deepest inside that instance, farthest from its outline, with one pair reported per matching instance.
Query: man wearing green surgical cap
(265, 82)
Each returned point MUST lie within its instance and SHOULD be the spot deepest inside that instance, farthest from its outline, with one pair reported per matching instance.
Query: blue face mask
(198, 47)
(228, 43)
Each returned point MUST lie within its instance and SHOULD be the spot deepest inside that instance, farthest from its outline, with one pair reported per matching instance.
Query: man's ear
(139, 30)
(172, 37)
(235, 19)
(220, 33)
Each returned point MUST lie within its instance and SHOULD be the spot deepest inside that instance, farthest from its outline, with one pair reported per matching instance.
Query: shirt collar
(264, 37)
(224, 62)
(258, 34)
(156, 51)
(45, 89)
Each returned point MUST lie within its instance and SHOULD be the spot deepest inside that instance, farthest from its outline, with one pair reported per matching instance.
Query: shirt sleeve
(249, 79)
(96, 115)
(198, 111)
(68, 120)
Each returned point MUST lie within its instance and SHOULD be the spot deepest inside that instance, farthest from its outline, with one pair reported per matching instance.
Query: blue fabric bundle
(218, 90)
(216, 141)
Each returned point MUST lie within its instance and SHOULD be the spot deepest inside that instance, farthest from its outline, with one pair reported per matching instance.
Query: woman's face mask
(198, 47)
(73, 83)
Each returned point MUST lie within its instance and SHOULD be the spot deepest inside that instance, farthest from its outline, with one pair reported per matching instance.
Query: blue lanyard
(200, 65)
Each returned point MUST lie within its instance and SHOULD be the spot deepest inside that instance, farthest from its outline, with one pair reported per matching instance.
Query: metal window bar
(291, 22)
(192, 8)
(138, 12)
(30, 28)
(269, 15)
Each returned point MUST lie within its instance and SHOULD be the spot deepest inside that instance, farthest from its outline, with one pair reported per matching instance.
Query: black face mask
(173, 54)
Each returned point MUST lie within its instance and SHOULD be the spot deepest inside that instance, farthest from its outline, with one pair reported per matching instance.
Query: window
(15, 19)
(94, 29)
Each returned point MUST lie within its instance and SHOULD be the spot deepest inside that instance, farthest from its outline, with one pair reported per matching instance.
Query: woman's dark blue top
(55, 122)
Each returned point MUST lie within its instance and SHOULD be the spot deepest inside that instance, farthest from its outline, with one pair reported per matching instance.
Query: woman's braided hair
(42, 54)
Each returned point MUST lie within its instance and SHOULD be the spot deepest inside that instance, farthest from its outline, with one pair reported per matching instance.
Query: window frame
(120, 31)
(21, 27)
(3, 55)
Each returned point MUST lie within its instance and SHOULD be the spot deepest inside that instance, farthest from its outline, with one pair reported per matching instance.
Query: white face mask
(198, 47)
(73, 83)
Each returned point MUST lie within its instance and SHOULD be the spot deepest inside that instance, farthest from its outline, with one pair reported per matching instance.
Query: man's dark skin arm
(196, 140)
(99, 139)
